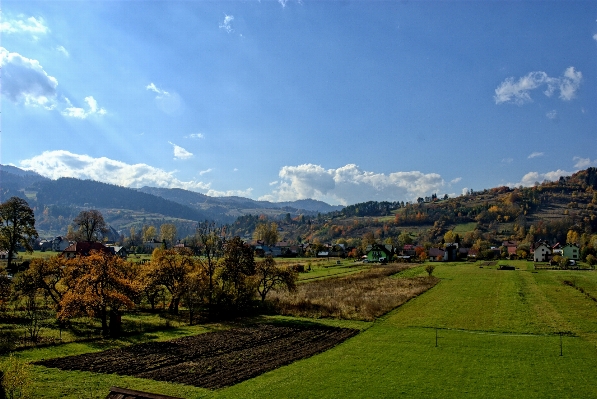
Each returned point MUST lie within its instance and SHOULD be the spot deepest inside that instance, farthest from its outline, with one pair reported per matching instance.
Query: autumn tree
(46, 275)
(211, 239)
(572, 237)
(172, 268)
(31, 297)
(17, 227)
(238, 265)
(91, 225)
(268, 276)
(168, 234)
(149, 233)
(99, 285)
(266, 232)
(449, 237)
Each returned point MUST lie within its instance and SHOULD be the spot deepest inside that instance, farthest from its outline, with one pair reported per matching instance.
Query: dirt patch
(212, 360)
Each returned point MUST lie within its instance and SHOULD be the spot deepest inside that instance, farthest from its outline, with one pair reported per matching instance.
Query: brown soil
(212, 360)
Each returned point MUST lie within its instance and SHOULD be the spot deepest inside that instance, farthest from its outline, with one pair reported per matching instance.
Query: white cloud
(349, 184)
(180, 153)
(465, 191)
(201, 173)
(583, 163)
(31, 25)
(62, 50)
(518, 92)
(195, 136)
(507, 160)
(531, 178)
(153, 87)
(80, 113)
(553, 115)
(273, 183)
(227, 23)
(535, 155)
(56, 164)
(456, 180)
(235, 170)
(169, 102)
(283, 2)
(24, 80)
(595, 36)
(569, 83)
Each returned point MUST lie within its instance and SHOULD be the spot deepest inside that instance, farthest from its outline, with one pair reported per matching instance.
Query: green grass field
(498, 336)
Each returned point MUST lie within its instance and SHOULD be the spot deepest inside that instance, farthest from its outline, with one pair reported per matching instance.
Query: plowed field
(212, 360)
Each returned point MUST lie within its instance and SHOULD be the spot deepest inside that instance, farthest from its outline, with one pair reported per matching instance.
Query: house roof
(436, 252)
(85, 247)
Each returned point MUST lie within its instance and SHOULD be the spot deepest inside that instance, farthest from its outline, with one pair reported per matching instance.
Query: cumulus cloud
(595, 36)
(531, 178)
(60, 163)
(582, 163)
(24, 80)
(180, 153)
(535, 155)
(195, 136)
(201, 173)
(227, 23)
(456, 180)
(31, 25)
(349, 184)
(81, 113)
(168, 102)
(518, 91)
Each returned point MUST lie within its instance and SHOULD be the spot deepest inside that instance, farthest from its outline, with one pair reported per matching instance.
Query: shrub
(15, 378)
(429, 269)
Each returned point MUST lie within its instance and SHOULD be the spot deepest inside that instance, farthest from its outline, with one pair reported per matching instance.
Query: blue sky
(281, 100)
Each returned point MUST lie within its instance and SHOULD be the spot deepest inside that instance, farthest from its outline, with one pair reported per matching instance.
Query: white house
(542, 253)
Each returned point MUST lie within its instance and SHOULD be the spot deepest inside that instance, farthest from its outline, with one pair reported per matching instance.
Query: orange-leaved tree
(99, 285)
(171, 268)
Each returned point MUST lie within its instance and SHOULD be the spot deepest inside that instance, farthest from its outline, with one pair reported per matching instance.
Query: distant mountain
(60, 200)
(236, 206)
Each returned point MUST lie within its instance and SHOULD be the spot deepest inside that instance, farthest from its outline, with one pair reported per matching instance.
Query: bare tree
(91, 225)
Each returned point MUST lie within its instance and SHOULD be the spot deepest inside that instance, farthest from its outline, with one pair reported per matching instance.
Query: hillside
(547, 211)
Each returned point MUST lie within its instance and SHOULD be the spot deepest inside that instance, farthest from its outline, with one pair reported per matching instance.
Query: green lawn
(497, 337)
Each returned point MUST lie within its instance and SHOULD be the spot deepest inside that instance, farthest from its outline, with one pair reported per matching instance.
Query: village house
(84, 249)
(542, 253)
(376, 252)
(571, 251)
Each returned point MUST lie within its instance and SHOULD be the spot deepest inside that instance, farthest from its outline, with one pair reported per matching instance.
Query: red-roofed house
(84, 248)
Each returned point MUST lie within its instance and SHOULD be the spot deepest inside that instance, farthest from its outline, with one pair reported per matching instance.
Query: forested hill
(13, 180)
(92, 194)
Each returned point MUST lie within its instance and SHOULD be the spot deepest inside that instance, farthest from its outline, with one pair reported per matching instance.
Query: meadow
(480, 332)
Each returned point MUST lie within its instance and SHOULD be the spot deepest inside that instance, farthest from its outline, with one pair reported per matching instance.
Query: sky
(340, 101)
